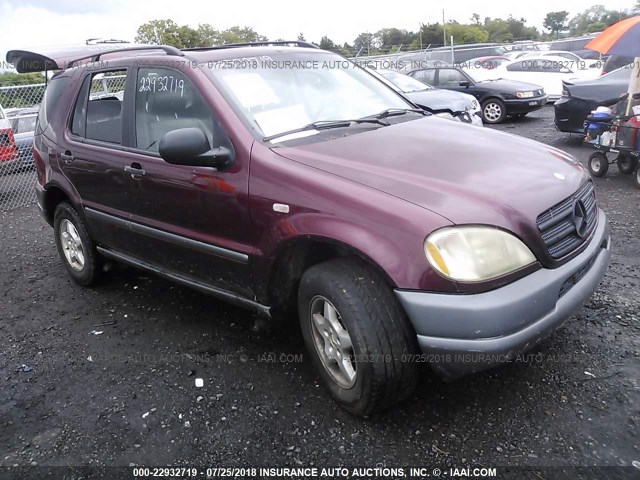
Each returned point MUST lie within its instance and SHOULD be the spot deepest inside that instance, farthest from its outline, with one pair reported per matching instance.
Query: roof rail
(94, 57)
(297, 43)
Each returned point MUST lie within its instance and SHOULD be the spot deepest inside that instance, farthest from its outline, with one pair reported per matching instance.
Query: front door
(193, 221)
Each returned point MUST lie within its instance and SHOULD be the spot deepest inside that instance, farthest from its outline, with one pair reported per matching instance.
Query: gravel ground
(70, 396)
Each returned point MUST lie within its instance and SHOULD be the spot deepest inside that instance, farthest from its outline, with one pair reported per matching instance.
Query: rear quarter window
(52, 96)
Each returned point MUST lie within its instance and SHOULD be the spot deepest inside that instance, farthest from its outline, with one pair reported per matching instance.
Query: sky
(32, 23)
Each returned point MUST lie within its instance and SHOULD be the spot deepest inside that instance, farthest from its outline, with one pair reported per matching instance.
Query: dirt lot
(127, 396)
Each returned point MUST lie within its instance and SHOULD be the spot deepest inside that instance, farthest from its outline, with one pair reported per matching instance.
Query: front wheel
(626, 163)
(494, 111)
(75, 246)
(598, 164)
(636, 177)
(357, 335)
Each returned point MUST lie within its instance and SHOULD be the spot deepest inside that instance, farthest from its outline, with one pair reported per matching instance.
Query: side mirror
(465, 83)
(190, 146)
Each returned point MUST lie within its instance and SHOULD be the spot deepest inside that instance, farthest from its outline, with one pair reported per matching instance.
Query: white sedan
(575, 62)
(546, 71)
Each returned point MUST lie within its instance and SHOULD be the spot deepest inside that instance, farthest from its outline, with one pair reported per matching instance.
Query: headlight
(525, 94)
(472, 254)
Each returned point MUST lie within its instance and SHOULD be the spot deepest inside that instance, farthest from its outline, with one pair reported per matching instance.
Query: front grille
(558, 227)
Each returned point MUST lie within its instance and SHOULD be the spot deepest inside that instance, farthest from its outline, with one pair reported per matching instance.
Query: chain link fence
(19, 107)
(18, 113)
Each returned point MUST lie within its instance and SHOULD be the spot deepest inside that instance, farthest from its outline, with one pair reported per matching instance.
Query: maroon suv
(287, 180)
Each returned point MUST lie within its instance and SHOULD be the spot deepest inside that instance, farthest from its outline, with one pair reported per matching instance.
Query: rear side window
(166, 100)
(97, 114)
(52, 96)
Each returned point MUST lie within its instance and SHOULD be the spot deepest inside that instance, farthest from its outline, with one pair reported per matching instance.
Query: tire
(626, 164)
(382, 339)
(636, 177)
(75, 246)
(493, 111)
(598, 164)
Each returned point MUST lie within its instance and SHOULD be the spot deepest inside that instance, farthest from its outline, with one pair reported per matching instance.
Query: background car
(498, 98)
(464, 53)
(446, 103)
(23, 124)
(8, 150)
(576, 45)
(615, 62)
(578, 63)
(548, 72)
(580, 98)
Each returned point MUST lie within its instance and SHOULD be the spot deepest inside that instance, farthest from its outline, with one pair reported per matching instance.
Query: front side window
(284, 92)
(167, 100)
(97, 114)
(450, 77)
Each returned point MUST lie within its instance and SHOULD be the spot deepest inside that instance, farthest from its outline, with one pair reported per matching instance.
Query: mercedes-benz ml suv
(290, 181)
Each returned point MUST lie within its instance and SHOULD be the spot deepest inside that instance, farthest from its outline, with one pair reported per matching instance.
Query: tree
(301, 37)
(556, 22)
(167, 32)
(466, 33)
(327, 44)
(390, 39)
(475, 19)
(8, 79)
(159, 32)
(240, 35)
(595, 18)
(364, 43)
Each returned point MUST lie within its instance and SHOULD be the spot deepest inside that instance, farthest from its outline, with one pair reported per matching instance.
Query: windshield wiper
(394, 112)
(326, 125)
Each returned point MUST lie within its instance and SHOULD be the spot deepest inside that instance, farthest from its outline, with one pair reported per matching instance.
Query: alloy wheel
(332, 341)
(72, 245)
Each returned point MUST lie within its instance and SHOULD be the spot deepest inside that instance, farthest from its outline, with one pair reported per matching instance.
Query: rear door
(91, 155)
(191, 221)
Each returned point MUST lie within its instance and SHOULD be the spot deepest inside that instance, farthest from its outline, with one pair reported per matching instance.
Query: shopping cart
(615, 136)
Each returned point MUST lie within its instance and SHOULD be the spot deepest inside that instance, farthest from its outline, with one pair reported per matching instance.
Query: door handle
(135, 170)
(67, 157)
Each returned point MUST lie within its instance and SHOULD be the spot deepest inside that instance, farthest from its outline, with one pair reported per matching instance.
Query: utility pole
(444, 30)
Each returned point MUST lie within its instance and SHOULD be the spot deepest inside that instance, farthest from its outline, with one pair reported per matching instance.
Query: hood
(442, 100)
(507, 86)
(463, 173)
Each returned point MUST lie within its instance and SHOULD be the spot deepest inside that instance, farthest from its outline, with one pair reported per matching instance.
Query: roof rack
(297, 43)
(94, 57)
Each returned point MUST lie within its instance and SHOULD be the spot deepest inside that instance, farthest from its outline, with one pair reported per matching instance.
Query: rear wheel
(494, 111)
(598, 164)
(75, 246)
(626, 163)
(636, 177)
(357, 335)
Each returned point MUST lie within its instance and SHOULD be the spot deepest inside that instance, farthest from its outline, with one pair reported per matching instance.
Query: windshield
(405, 83)
(283, 92)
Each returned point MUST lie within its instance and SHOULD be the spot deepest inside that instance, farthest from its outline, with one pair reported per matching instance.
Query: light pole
(444, 30)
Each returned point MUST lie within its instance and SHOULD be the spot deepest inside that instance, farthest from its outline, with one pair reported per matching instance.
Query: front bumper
(462, 334)
(525, 105)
